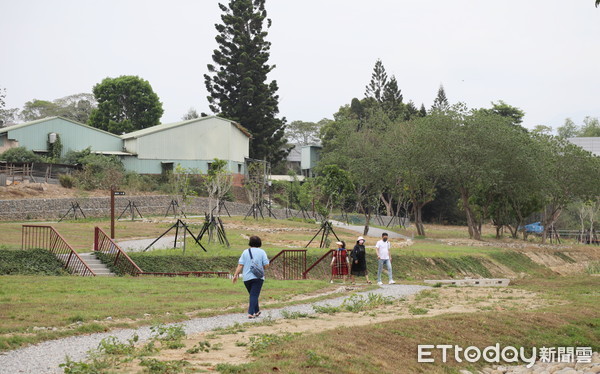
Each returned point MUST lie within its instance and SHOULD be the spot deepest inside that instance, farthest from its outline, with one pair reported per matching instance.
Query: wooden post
(112, 212)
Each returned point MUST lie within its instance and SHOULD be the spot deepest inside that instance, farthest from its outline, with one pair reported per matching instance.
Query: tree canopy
(237, 80)
(126, 103)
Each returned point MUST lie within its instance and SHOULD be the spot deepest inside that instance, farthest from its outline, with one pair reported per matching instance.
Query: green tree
(7, 116)
(336, 187)
(37, 109)
(542, 129)
(125, 104)
(218, 182)
(191, 114)
(77, 107)
(470, 150)
(379, 81)
(570, 174)
(18, 155)
(359, 153)
(505, 110)
(304, 133)
(568, 130)
(237, 81)
(590, 127)
(440, 103)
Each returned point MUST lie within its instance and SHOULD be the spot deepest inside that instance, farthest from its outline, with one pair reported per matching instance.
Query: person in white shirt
(385, 258)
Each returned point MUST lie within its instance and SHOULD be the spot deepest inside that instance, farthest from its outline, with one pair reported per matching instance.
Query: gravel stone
(46, 356)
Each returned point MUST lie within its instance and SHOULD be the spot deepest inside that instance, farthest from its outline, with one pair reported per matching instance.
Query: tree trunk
(387, 204)
(474, 231)
(367, 221)
(549, 222)
(418, 216)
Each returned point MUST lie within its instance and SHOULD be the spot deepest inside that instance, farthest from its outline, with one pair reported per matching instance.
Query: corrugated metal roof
(21, 125)
(167, 126)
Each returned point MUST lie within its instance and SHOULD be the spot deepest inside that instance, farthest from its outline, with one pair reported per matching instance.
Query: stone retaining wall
(23, 209)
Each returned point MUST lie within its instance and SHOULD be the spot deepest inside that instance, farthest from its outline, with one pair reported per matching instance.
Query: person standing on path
(339, 262)
(252, 257)
(359, 260)
(385, 258)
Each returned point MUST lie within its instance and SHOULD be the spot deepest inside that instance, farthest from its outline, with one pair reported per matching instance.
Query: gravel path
(373, 231)
(138, 245)
(45, 357)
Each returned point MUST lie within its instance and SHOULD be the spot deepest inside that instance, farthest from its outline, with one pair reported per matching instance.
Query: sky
(542, 56)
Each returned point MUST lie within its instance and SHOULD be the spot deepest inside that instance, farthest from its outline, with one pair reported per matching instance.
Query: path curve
(373, 231)
(45, 357)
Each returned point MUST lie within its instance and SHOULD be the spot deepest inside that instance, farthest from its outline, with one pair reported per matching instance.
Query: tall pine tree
(441, 101)
(237, 81)
(376, 87)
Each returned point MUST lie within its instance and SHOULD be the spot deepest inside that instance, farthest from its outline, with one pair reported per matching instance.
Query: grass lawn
(276, 234)
(391, 347)
(46, 301)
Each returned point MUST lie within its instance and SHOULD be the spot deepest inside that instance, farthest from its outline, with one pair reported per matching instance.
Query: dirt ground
(29, 190)
(232, 345)
(26, 190)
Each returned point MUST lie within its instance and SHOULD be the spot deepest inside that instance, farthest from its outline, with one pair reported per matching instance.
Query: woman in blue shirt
(252, 282)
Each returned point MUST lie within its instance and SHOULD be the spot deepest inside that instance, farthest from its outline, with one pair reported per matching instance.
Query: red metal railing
(46, 237)
(105, 245)
(321, 269)
(288, 264)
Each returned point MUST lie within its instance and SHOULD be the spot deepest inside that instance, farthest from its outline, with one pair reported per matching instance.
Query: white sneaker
(380, 283)
(330, 281)
(392, 282)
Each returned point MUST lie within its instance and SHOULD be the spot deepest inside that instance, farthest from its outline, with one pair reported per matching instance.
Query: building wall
(310, 156)
(202, 140)
(6, 144)
(73, 136)
(591, 144)
(155, 166)
(192, 145)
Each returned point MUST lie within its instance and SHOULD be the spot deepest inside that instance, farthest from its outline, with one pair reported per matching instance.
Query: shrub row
(30, 262)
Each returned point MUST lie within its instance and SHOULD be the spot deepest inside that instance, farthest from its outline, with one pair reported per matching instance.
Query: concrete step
(96, 265)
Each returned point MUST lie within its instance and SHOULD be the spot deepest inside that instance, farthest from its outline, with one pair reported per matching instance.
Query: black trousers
(254, 286)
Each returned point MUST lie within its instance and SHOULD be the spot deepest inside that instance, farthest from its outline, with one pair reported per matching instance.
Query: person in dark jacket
(359, 260)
